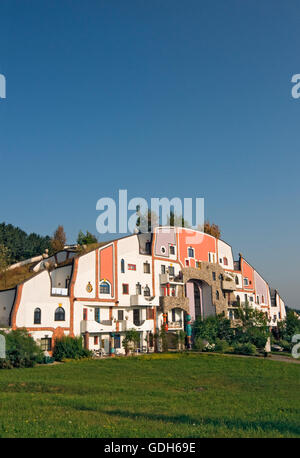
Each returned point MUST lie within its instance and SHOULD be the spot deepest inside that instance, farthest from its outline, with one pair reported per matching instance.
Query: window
(37, 316)
(191, 252)
(96, 340)
(217, 295)
(149, 313)
(214, 276)
(163, 269)
(148, 247)
(246, 281)
(104, 287)
(125, 288)
(173, 315)
(117, 341)
(171, 271)
(146, 268)
(221, 260)
(172, 249)
(59, 314)
(46, 344)
(238, 300)
(122, 266)
(138, 288)
(136, 317)
(147, 291)
(131, 267)
(187, 262)
(279, 315)
(236, 280)
(97, 314)
(120, 315)
(257, 299)
(84, 314)
(251, 299)
(263, 299)
(198, 264)
(225, 260)
(246, 298)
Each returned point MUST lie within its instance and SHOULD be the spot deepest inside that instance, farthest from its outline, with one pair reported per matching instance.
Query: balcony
(93, 326)
(59, 291)
(172, 279)
(228, 285)
(175, 324)
(143, 301)
(141, 325)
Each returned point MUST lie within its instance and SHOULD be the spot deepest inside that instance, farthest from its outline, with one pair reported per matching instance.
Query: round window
(163, 250)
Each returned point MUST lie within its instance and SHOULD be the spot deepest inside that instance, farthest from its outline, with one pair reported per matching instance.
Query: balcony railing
(59, 291)
(175, 324)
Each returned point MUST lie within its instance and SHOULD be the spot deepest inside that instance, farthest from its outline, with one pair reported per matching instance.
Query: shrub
(255, 335)
(222, 346)
(21, 350)
(69, 347)
(212, 328)
(199, 343)
(287, 346)
(246, 348)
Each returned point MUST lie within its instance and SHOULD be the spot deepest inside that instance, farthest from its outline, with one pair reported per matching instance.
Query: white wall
(225, 250)
(6, 303)
(36, 293)
(86, 273)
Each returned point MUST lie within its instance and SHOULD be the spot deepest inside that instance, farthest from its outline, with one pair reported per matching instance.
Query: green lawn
(196, 395)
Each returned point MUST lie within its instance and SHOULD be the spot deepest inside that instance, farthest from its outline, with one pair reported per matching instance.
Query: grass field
(168, 395)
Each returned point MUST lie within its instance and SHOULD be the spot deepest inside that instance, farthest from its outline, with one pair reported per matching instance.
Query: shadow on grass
(265, 426)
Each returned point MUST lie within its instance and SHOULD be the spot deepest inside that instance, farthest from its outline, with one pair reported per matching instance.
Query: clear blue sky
(163, 98)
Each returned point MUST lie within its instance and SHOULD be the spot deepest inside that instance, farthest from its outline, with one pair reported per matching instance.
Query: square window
(131, 266)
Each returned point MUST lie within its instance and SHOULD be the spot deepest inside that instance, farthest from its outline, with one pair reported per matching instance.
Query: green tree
(86, 239)
(131, 339)
(213, 328)
(5, 257)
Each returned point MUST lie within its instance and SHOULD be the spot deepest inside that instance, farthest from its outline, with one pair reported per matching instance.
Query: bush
(69, 347)
(222, 346)
(255, 335)
(212, 328)
(287, 346)
(199, 343)
(246, 348)
(21, 350)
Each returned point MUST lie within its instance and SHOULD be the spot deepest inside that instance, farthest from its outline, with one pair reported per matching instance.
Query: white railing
(60, 291)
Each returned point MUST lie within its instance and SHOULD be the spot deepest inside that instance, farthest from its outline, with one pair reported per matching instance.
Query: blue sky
(162, 98)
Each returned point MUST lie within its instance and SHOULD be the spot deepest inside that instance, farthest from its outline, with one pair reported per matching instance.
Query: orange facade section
(106, 268)
(248, 272)
(202, 244)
